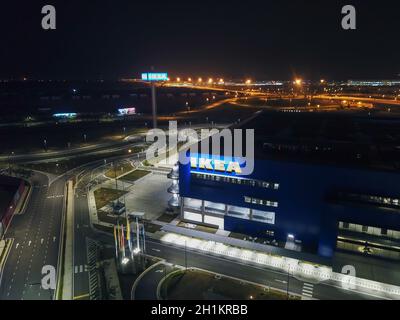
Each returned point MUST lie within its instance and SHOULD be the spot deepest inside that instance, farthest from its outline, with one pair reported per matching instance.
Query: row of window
(261, 202)
(371, 199)
(240, 181)
(221, 209)
(370, 230)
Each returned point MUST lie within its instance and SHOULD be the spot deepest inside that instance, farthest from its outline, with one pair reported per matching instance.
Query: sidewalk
(67, 260)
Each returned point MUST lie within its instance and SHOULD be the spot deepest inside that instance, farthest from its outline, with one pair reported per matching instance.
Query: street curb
(163, 280)
(141, 276)
(267, 288)
(26, 200)
(60, 259)
(5, 257)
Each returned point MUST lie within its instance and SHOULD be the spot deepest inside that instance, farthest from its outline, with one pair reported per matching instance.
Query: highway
(36, 235)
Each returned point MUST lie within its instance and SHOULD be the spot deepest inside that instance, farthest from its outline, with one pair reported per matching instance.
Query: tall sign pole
(154, 104)
(152, 77)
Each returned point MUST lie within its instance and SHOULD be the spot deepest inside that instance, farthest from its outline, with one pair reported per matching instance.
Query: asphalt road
(36, 236)
(264, 276)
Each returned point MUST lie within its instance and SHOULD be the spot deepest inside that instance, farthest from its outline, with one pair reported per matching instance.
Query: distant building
(11, 189)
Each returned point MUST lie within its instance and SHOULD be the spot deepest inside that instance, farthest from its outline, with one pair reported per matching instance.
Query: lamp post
(287, 283)
(186, 255)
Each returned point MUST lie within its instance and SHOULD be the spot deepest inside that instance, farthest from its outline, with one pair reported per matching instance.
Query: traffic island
(196, 284)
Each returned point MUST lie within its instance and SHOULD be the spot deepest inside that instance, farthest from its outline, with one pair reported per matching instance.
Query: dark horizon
(261, 40)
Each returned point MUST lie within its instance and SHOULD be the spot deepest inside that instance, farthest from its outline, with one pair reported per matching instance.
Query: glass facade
(212, 213)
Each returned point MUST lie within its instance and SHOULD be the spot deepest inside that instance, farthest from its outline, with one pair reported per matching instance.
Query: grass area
(201, 285)
(135, 175)
(198, 227)
(104, 196)
(167, 218)
(119, 170)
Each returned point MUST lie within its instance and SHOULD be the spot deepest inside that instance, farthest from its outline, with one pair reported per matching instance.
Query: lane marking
(86, 295)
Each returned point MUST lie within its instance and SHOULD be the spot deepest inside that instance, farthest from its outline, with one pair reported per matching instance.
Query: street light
(298, 82)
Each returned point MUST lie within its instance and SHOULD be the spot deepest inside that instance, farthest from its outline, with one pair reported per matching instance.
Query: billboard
(126, 111)
(65, 115)
(154, 76)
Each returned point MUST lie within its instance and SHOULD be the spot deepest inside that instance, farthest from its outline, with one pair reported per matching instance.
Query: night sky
(234, 39)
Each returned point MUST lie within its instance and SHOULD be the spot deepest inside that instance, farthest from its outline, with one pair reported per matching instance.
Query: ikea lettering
(217, 165)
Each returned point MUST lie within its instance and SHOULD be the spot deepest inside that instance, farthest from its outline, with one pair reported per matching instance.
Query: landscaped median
(196, 284)
(119, 170)
(134, 175)
(104, 196)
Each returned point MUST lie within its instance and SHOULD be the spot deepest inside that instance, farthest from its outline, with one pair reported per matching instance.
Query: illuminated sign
(126, 111)
(215, 165)
(155, 76)
(65, 115)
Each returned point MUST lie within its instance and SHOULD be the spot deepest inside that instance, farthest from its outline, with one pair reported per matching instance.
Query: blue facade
(307, 206)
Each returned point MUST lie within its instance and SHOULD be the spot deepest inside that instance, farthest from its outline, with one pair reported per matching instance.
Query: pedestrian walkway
(307, 291)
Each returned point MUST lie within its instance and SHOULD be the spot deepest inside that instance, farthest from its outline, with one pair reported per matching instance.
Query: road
(264, 276)
(146, 288)
(36, 235)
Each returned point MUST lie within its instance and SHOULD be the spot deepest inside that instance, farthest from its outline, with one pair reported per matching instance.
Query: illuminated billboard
(155, 76)
(65, 115)
(126, 111)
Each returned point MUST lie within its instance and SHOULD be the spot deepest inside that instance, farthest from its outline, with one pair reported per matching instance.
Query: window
(239, 212)
(345, 225)
(192, 216)
(263, 216)
(364, 228)
(384, 232)
(214, 207)
(191, 203)
(261, 202)
(270, 233)
(214, 221)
